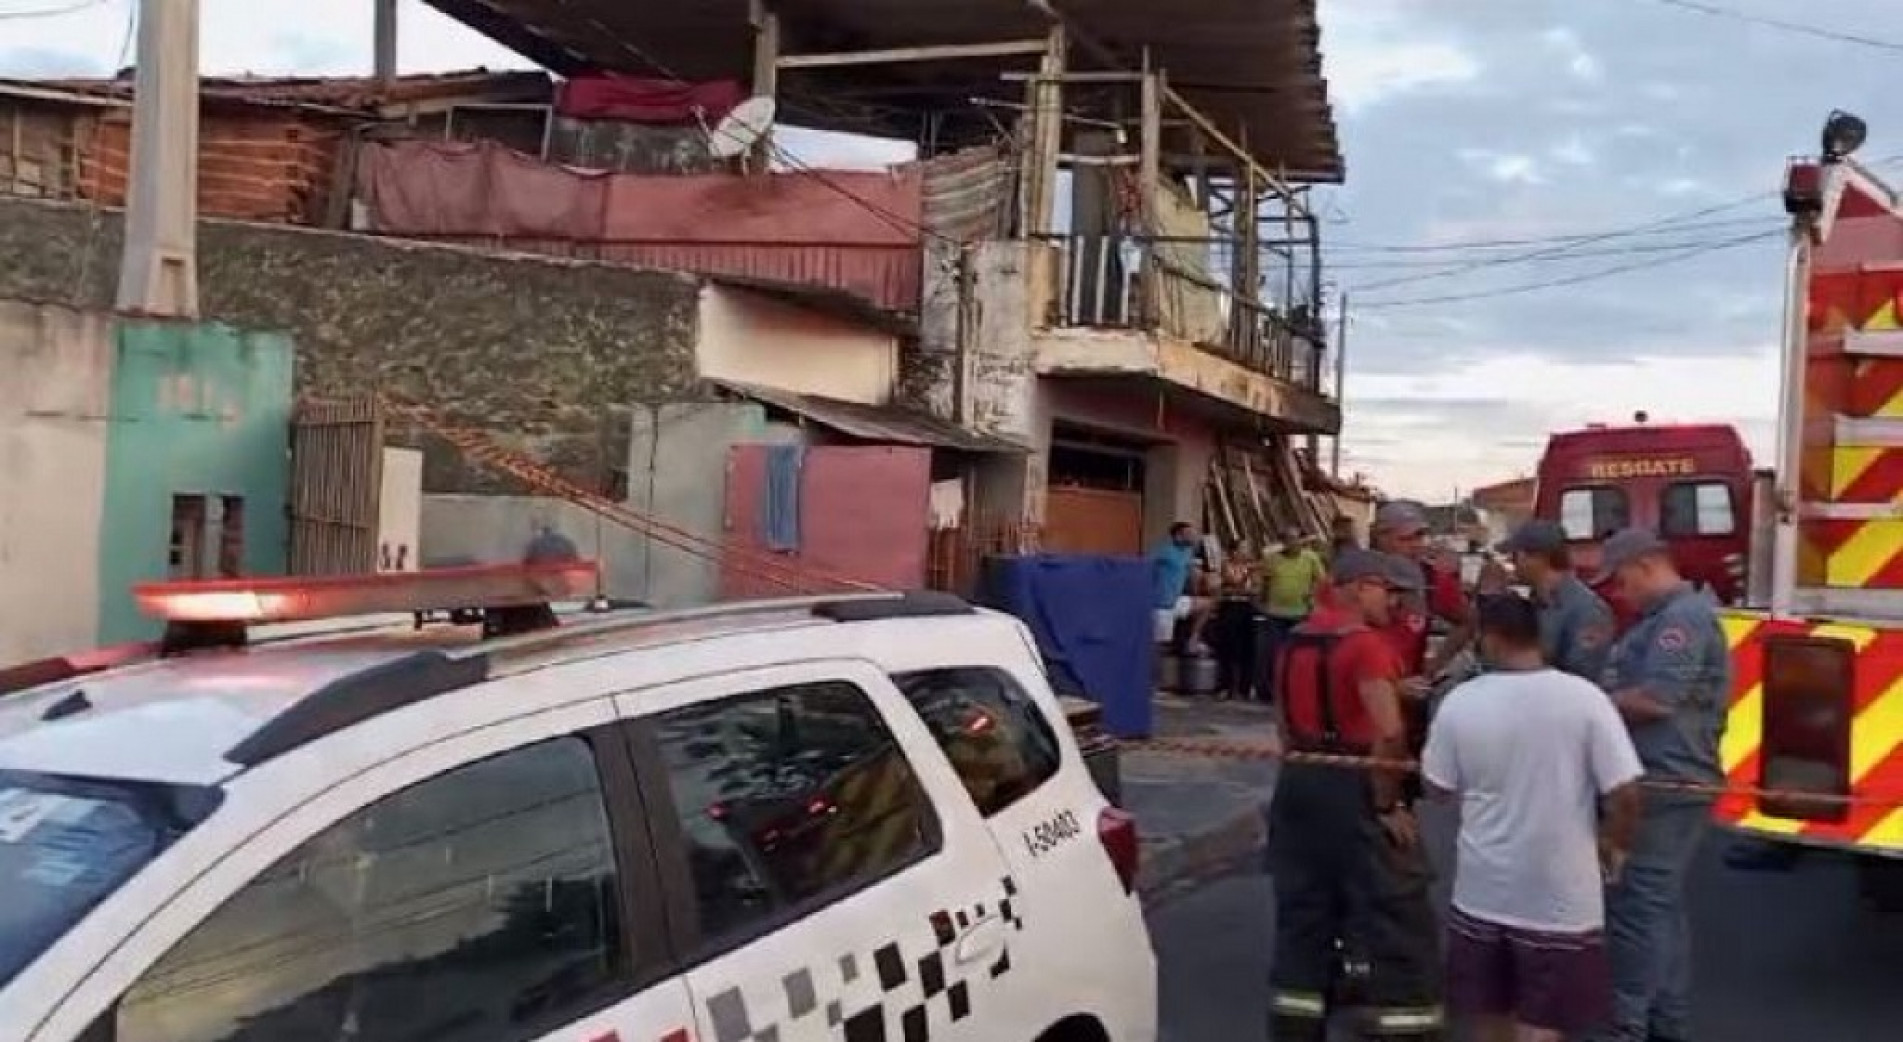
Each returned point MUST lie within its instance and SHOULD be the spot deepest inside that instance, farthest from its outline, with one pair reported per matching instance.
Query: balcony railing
(1103, 285)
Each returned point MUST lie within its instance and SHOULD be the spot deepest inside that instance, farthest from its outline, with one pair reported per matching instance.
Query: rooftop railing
(1102, 285)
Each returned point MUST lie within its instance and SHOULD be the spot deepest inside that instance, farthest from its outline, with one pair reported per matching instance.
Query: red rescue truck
(1691, 483)
(1817, 703)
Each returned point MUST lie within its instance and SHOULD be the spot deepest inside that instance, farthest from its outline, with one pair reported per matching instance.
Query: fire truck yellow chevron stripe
(1848, 465)
(1872, 388)
(1892, 407)
(1876, 745)
(1863, 754)
(1871, 552)
(1744, 720)
(1888, 833)
(1875, 733)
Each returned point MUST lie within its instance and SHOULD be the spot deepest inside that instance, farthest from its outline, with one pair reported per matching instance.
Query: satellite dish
(740, 129)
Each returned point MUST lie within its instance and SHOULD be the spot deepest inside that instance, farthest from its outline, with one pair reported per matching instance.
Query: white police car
(859, 819)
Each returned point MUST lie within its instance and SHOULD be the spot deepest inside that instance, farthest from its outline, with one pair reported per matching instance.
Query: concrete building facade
(134, 450)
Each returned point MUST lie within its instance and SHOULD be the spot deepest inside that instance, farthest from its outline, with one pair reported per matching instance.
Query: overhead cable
(1571, 280)
(1624, 250)
(1799, 28)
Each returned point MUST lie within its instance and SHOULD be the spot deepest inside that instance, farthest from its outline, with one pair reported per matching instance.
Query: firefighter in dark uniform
(1576, 624)
(1354, 928)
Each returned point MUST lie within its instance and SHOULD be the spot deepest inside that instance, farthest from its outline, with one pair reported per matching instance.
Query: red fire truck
(1817, 702)
(1691, 483)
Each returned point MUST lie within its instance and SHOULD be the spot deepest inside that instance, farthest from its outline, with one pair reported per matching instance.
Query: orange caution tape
(1270, 750)
(479, 448)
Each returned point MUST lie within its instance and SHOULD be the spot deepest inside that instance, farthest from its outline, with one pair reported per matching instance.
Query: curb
(1174, 866)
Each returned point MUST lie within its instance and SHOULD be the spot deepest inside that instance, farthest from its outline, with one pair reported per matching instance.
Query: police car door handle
(981, 942)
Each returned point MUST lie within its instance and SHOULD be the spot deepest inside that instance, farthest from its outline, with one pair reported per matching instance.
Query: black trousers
(1353, 922)
(1233, 639)
(1275, 636)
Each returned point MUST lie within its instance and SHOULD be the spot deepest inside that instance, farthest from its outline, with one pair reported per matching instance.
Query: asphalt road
(1782, 956)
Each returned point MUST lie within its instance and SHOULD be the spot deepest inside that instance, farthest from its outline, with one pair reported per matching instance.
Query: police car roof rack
(360, 696)
(869, 606)
(425, 674)
(515, 602)
(913, 604)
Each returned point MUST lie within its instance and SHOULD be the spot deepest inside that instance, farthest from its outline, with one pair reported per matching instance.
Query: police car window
(788, 798)
(66, 844)
(1694, 508)
(995, 736)
(479, 905)
(1593, 513)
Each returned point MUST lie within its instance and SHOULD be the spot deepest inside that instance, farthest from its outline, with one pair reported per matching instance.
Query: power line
(52, 12)
(1572, 280)
(1664, 223)
(1627, 250)
(1534, 240)
(1798, 28)
(1566, 247)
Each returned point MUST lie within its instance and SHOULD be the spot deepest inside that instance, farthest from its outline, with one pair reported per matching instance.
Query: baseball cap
(1534, 537)
(1624, 547)
(1401, 515)
(1355, 564)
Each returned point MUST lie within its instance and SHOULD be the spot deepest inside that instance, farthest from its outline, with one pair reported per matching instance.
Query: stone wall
(546, 354)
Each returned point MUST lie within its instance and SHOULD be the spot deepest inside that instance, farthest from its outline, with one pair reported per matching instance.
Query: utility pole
(383, 41)
(1341, 379)
(158, 273)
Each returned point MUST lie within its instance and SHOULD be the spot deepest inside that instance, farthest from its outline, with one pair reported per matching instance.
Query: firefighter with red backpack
(1354, 927)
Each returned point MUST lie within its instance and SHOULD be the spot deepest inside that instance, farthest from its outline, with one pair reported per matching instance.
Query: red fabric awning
(482, 188)
(635, 99)
(851, 230)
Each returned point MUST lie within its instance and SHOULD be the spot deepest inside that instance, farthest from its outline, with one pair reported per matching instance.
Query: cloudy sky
(1621, 149)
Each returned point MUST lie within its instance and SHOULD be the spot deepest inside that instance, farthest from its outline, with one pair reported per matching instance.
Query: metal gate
(336, 482)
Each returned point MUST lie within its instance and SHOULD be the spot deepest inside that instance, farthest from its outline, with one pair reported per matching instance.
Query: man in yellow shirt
(1291, 577)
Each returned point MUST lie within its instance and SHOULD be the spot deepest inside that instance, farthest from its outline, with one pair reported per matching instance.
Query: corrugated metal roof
(881, 423)
(824, 297)
(1252, 66)
(32, 90)
(354, 93)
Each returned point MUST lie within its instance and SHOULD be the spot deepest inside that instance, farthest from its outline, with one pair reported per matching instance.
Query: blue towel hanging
(781, 518)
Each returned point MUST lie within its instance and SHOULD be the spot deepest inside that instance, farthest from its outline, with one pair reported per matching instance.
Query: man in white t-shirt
(1548, 783)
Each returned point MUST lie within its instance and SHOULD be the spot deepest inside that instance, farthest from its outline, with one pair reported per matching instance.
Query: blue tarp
(1091, 617)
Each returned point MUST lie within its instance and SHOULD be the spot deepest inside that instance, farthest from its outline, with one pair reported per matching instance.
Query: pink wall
(863, 516)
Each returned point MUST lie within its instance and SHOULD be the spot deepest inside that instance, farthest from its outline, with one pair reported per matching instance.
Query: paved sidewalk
(1198, 816)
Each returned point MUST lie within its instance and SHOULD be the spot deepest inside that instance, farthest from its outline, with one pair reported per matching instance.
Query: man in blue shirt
(1172, 565)
(1576, 625)
(1670, 677)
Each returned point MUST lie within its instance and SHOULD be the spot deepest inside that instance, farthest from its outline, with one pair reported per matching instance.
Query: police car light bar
(253, 601)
